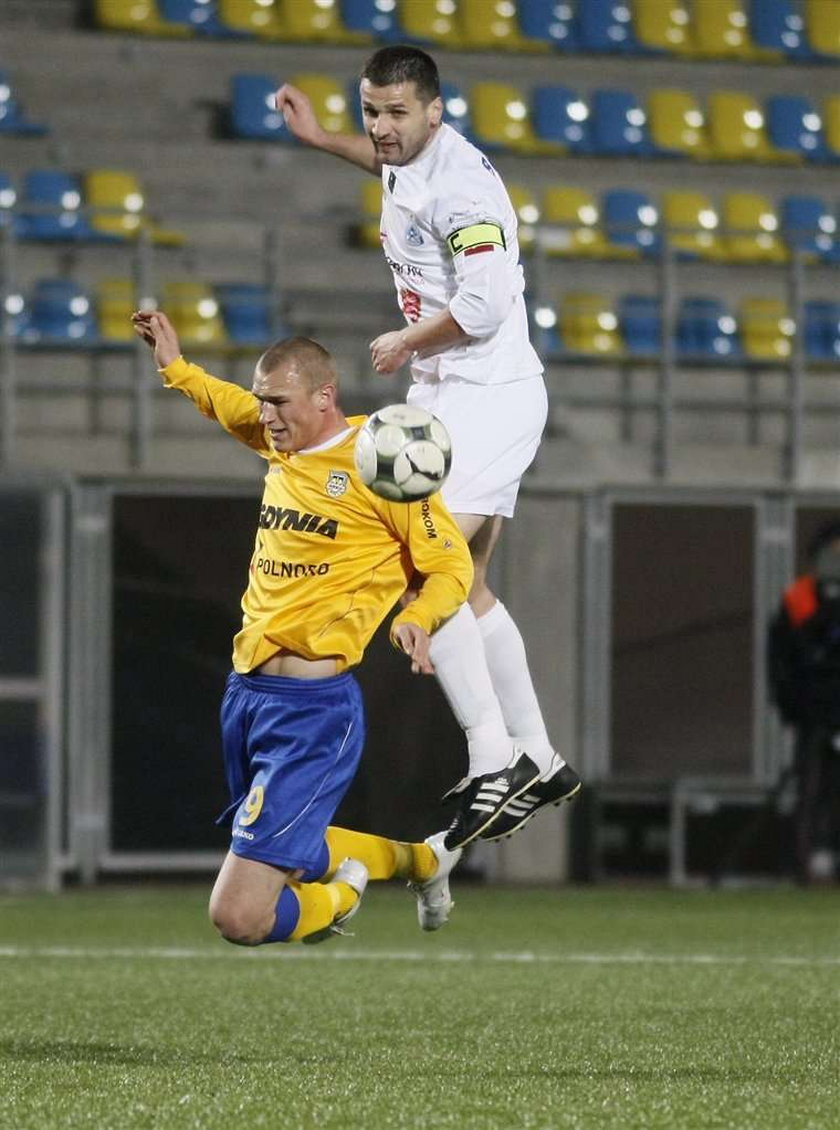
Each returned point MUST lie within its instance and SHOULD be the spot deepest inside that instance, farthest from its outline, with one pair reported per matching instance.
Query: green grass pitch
(532, 1010)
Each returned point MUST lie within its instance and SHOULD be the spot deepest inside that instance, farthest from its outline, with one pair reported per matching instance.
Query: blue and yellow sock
(305, 908)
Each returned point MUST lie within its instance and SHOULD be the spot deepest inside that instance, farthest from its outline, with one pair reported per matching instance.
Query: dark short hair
(401, 63)
(312, 361)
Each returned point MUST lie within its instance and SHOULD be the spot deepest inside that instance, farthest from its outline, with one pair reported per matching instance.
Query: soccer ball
(403, 453)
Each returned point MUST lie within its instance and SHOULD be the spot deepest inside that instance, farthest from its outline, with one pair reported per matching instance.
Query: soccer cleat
(355, 875)
(434, 901)
(560, 783)
(483, 798)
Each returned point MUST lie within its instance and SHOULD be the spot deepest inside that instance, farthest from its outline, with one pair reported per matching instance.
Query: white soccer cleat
(434, 901)
(354, 873)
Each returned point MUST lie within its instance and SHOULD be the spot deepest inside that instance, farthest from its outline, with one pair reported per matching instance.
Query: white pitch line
(525, 957)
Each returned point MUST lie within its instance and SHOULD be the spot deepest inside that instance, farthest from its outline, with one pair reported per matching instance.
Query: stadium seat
(328, 101)
(822, 23)
(831, 127)
(736, 127)
(491, 25)
(676, 124)
(251, 17)
(142, 16)
(374, 18)
(706, 330)
(194, 309)
(252, 111)
(794, 126)
(630, 219)
(589, 324)
(247, 314)
(778, 25)
(561, 117)
(199, 16)
(548, 22)
(8, 200)
(57, 199)
(310, 21)
(619, 124)
(430, 21)
(751, 229)
(640, 324)
(501, 119)
(61, 312)
(366, 231)
(13, 119)
(18, 317)
(116, 203)
(605, 25)
(116, 301)
(720, 30)
(527, 213)
(456, 108)
(822, 330)
(662, 27)
(691, 222)
(766, 329)
(576, 216)
(808, 226)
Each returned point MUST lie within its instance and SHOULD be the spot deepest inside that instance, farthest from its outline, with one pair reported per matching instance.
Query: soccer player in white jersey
(449, 233)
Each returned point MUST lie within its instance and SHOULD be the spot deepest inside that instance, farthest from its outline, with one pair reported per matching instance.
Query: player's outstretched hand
(415, 642)
(298, 114)
(153, 327)
(388, 352)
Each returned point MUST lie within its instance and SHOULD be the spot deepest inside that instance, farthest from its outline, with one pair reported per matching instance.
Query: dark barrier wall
(180, 565)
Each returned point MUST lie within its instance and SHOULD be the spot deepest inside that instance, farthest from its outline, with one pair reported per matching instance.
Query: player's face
(295, 416)
(398, 123)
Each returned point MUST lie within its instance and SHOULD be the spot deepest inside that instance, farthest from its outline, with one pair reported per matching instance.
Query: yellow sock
(319, 903)
(383, 858)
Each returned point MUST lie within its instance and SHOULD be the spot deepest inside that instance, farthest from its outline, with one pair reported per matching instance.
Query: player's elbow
(480, 314)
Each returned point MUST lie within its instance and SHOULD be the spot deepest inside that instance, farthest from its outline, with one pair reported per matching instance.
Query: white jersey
(449, 236)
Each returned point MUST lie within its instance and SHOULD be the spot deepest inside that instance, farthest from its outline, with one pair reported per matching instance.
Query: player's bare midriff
(293, 666)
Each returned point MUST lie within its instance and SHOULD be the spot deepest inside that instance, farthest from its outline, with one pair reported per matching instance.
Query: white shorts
(495, 431)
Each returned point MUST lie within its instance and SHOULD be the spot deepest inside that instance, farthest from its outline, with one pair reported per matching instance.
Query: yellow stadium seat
(831, 124)
(252, 17)
(329, 101)
(140, 15)
(677, 123)
(736, 127)
(576, 214)
(116, 301)
(751, 229)
(491, 25)
(433, 20)
(366, 231)
(194, 311)
(116, 200)
(767, 329)
(589, 324)
(501, 119)
(663, 26)
(312, 20)
(691, 222)
(527, 213)
(822, 23)
(720, 29)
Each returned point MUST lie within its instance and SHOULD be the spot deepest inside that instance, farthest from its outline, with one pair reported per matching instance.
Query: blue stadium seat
(13, 119)
(199, 16)
(374, 17)
(706, 330)
(57, 197)
(629, 218)
(252, 112)
(822, 330)
(808, 225)
(61, 312)
(247, 313)
(8, 199)
(640, 322)
(794, 126)
(559, 114)
(779, 25)
(456, 108)
(605, 25)
(619, 124)
(549, 22)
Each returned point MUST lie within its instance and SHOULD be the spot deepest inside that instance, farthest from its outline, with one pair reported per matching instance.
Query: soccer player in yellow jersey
(330, 560)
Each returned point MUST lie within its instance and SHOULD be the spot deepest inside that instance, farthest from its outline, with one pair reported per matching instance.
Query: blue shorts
(291, 748)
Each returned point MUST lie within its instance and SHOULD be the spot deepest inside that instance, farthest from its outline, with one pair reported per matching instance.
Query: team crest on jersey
(413, 236)
(337, 483)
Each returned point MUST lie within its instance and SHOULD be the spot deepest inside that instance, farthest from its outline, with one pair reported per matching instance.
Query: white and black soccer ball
(403, 453)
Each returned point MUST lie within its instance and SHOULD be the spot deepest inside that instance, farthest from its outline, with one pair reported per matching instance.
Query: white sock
(457, 652)
(508, 666)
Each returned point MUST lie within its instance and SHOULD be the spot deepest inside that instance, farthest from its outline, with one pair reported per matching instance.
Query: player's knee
(237, 923)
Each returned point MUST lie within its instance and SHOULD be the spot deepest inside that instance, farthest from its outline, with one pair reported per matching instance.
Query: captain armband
(476, 238)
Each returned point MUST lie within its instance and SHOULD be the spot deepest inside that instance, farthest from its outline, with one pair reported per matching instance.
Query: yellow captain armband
(476, 238)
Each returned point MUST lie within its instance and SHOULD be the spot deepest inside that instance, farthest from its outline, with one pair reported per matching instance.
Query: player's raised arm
(299, 116)
(153, 327)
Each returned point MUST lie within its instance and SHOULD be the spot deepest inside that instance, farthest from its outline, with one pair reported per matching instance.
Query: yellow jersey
(330, 557)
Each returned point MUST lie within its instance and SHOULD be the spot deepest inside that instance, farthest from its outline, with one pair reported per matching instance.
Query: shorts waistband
(283, 684)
